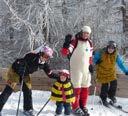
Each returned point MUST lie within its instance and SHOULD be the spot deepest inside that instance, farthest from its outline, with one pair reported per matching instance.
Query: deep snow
(40, 98)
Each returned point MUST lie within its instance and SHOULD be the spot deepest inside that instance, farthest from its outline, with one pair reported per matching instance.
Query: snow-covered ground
(40, 98)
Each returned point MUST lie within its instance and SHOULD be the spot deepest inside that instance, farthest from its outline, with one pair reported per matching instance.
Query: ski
(119, 107)
(116, 106)
(25, 114)
(107, 107)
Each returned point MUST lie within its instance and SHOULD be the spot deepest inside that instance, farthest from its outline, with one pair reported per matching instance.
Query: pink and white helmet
(47, 50)
(64, 72)
(43, 48)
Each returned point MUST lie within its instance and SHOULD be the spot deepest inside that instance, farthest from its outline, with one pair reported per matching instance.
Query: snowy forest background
(26, 24)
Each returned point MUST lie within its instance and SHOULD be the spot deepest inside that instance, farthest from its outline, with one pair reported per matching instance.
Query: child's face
(63, 78)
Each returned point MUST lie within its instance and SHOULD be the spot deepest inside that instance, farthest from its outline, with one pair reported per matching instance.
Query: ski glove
(21, 71)
(46, 68)
(67, 41)
(126, 73)
(91, 68)
(64, 51)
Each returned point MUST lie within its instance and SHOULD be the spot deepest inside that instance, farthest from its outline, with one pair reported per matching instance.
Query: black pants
(59, 108)
(26, 93)
(5, 95)
(108, 90)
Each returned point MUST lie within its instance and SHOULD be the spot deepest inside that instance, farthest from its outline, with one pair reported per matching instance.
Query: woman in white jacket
(80, 68)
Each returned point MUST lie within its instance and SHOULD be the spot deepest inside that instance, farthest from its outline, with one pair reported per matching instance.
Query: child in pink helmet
(62, 93)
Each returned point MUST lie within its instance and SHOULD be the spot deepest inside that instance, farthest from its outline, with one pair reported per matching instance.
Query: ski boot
(113, 100)
(105, 103)
(85, 110)
(28, 113)
(57, 114)
(78, 112)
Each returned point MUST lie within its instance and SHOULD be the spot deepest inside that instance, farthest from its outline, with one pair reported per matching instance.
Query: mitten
(91, 68)
(67, 41)
(126, 73)
(46, 68)
(64, 51)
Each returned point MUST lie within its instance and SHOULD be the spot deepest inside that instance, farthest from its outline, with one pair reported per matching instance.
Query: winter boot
(5, 95)
(28, 113)
(66, 115)
(57, 114)
(113, 100)
(78, 112)
(77, 98)
(85, 110)
(105, 103)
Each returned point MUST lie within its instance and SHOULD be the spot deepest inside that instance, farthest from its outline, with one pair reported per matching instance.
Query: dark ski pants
(26, 93)
(108, 90)
(59, 108)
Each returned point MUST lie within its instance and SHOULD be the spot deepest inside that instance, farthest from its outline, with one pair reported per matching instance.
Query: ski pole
(21, 86)
(43, 107)
(19, 98)
(94, 94)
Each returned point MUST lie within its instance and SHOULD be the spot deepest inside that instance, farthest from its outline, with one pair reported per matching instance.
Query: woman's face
(44, 58)
(111, 50)
(85, 35)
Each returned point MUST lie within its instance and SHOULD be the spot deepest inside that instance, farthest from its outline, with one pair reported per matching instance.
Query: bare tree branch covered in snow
(34, 22)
